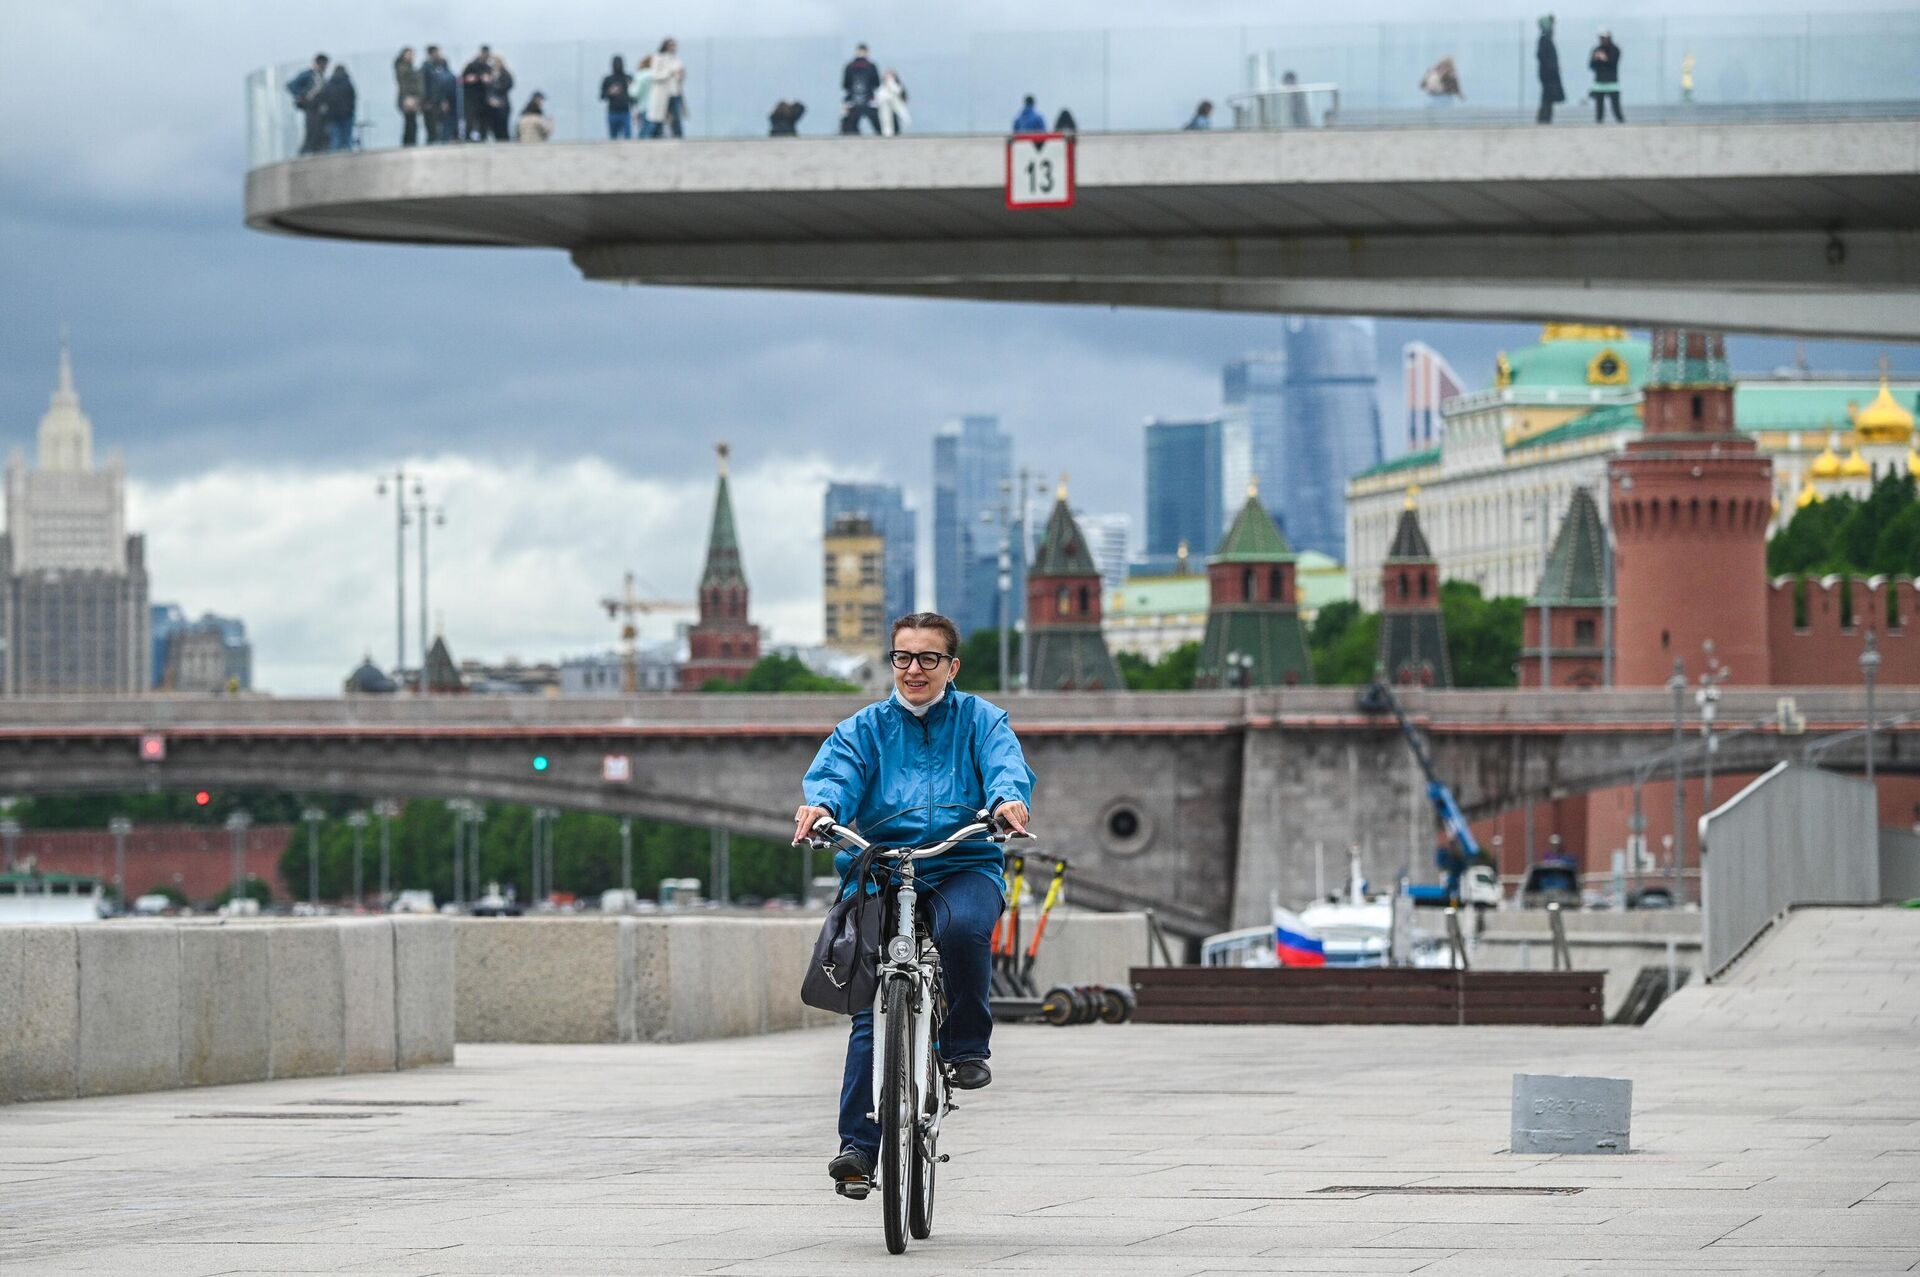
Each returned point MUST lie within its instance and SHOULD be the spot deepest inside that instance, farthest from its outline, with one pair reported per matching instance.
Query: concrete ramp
(1816, 972)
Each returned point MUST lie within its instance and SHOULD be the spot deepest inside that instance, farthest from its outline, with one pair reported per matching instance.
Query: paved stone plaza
(1776, 1130)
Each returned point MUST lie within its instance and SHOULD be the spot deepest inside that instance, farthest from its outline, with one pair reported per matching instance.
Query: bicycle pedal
(944, 1157)
(855, 1190)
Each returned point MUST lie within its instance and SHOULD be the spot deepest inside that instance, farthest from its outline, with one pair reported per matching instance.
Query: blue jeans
(619, 124)
(962, 909)
(339, 135)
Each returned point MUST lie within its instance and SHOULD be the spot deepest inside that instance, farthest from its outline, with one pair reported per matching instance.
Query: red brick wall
(1825, 652)
(1043, 599)
(1422, 593)
(1227, 583)
(198, 859)
(1570, 670)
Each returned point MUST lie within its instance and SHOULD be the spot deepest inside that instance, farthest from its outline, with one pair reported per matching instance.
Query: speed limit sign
(1040, 170)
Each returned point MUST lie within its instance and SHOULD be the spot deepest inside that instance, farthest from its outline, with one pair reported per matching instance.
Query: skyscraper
(1307, 418)
(1110, 538)
(1184, 471)
(882, 505)
(73, 584)
(972, 457)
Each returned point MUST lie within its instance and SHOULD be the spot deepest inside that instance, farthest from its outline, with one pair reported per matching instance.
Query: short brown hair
(929, 621)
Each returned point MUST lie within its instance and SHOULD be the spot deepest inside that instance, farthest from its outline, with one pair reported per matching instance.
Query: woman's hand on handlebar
(1014, 813)
(805, 819)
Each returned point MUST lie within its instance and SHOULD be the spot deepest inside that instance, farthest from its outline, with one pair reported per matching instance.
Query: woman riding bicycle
(900, 771)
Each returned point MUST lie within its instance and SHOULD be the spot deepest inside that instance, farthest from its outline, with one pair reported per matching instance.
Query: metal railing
(1710, 68)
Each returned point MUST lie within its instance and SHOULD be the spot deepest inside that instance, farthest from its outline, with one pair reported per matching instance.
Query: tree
(980, 661)
(1344, 642)
(779, 674)
(1842, 534)
(1483, 635)
(1172, 672)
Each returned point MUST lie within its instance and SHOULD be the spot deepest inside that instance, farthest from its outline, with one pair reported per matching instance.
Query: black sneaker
(852, 1173)
(971, 1075)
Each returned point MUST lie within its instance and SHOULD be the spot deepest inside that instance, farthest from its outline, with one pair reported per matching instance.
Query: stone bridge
(1198, 804)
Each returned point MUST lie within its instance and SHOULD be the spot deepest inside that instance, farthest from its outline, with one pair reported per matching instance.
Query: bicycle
(910, 1082)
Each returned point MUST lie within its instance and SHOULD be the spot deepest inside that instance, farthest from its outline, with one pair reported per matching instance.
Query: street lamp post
(399, 480)
(626, 859)
(237, 824)
(386, 809)
(1708, 699)
(1678, 686)
(1869, 670)
(10, 835)
(357, 821)
(313, 816)
(422, 511)
(120, 827)
(476, 817)
(1546, 608)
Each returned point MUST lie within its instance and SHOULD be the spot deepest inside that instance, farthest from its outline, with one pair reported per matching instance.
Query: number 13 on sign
(1040, 170)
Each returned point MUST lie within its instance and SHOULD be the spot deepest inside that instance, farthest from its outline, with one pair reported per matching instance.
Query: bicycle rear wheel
(897, 1108)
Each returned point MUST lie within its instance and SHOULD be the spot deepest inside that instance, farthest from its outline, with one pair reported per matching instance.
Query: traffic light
(202, 798)
(539, 762)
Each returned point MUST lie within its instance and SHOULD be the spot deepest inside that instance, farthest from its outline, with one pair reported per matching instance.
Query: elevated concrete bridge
(1197, 803)
(1808, 227)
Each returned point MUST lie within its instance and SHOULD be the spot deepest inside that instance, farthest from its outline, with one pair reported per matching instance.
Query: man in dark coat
(1605, 65)
(305, 89)
(858, 83)
(441, 99)
(410, 87)
(339, 102)
(474, 78)
(1550, 87)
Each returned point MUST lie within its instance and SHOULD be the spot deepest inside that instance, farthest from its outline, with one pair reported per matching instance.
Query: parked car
(1554, 881)
(1650, 898)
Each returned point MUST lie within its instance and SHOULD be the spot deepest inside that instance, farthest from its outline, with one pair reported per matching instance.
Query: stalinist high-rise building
(73, 584)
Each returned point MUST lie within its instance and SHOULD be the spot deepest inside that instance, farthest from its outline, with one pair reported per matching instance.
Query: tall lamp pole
(313, 816)
(237, 824)
(1678, 686)
(422, 511)
(120, 827)
(386, 809)
(357, 821)
(1869, 670)
(10, 836)
(1708, 699)
(399, 481)
(1546, 608)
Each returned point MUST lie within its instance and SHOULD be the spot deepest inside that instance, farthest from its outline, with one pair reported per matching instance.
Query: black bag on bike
(844, 972)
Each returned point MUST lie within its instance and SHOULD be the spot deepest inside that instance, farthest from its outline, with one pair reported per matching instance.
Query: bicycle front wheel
(898, 1107)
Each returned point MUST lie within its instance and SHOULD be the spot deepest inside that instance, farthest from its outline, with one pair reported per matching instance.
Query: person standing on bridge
(616, 90)
(473, 96)
(890, 100)
(409, 86)
(906, 771)
(1551, 90)
(306, 89)
(1605, 65)
(441, 99)
(666, 92)
(859, 85)
(1029, 120)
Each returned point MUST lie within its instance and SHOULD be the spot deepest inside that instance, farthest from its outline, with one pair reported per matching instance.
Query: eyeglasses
(927, 660)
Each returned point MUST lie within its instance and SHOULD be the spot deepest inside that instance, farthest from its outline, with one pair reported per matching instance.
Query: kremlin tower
(1067, 650)
(1691, 501)
(723, 643)
(1254, 637)
(1413, 633)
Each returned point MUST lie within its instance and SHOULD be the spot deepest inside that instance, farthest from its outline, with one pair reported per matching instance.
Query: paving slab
(1115, 1150)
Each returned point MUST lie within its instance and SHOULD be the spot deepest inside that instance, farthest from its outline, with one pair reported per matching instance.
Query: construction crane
(627, 608)
(1470, 875)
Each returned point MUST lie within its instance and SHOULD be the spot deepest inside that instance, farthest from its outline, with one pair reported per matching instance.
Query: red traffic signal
(202, 798)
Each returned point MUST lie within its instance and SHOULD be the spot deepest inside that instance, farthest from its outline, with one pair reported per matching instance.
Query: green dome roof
(1579, 362)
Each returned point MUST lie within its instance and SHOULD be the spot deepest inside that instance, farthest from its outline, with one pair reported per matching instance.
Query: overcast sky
(257, 384)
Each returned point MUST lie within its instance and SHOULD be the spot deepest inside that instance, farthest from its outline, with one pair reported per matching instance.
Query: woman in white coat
(890, 99)
(666, 95)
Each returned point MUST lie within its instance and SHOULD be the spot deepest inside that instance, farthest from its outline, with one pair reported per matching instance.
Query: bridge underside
(1786, 227)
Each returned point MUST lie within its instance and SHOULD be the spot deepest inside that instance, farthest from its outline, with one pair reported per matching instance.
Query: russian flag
(1295, 943)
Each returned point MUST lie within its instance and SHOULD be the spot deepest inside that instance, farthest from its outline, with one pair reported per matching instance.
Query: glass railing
(1141, 79)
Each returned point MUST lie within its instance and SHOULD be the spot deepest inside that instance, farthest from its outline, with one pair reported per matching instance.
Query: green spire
(723, 546)
(1063, 551)
(1254, 537)
(1576, 572)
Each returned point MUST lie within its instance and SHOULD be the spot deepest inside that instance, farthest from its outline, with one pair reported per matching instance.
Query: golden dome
(1808, 495)
(1827, 464)
(1884, 420)
(1913, 463)
(1855, 466)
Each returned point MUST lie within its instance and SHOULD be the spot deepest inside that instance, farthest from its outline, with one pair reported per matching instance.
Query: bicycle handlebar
(826, 829)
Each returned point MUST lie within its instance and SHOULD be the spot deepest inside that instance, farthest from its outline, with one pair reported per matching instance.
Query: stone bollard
(1554, 1114)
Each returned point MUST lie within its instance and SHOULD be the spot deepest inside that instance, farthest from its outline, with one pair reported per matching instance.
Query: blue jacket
(903, 781)
(1029, 121)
